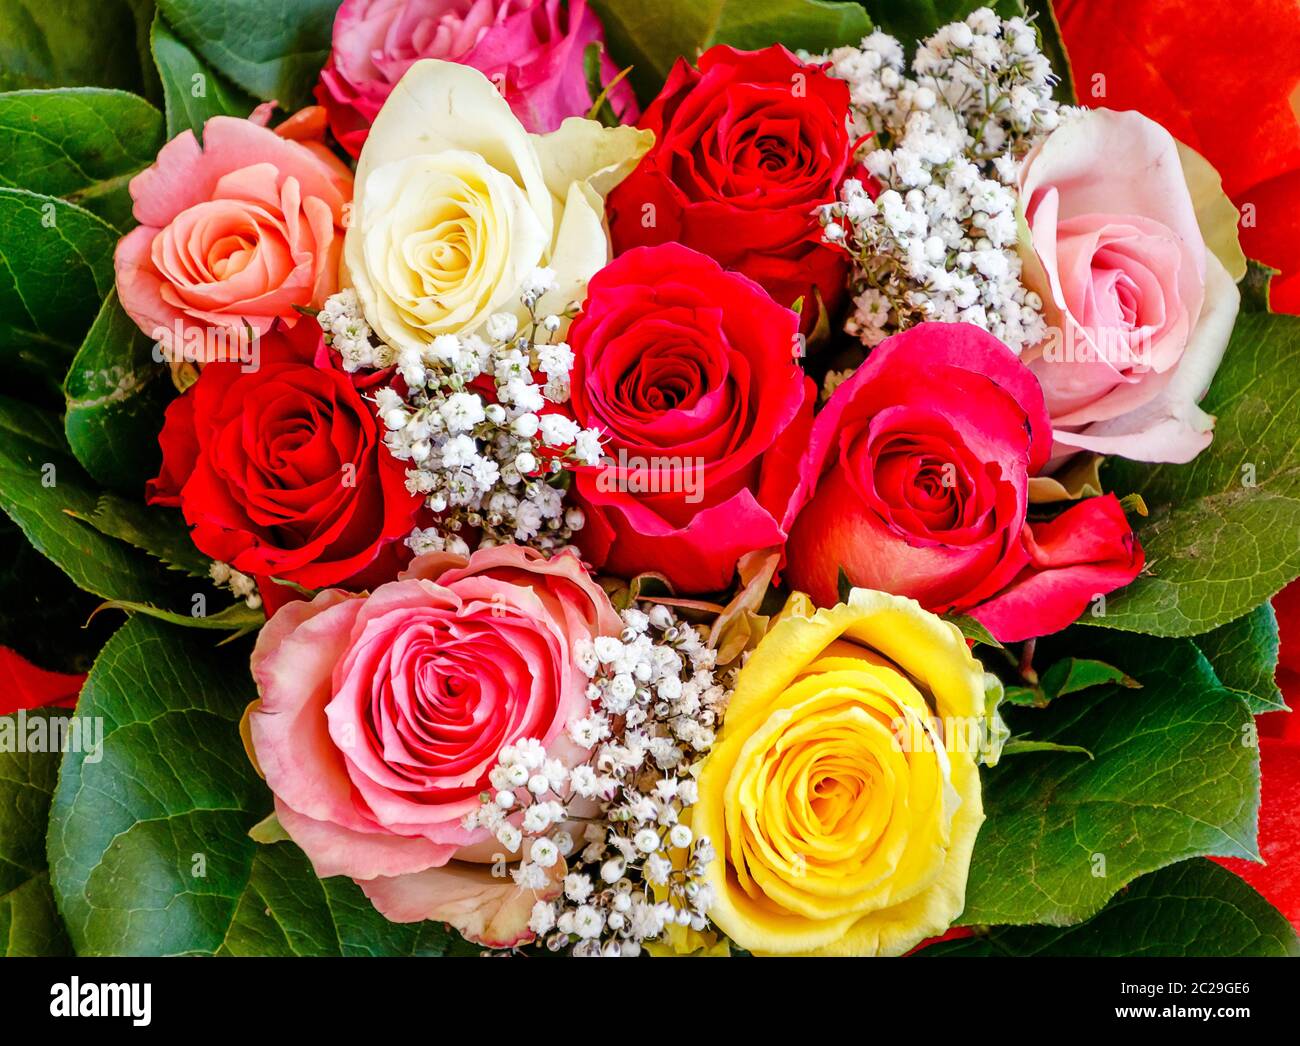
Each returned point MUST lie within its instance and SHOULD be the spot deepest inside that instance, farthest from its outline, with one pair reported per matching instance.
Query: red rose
(690, 373)
(745, 148)
(281, 470)
(916, 482)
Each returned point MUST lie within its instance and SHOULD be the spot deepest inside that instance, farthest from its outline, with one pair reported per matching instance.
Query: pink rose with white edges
(534, 51)
(382, 715)
(1119, 215)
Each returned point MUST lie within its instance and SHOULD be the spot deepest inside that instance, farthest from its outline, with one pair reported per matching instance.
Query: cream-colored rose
(456, 203)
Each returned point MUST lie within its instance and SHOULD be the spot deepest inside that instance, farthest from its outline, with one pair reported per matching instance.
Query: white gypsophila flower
(542, 919)
(241, 586)
(657, 701)
(939, 241)
(489, 465)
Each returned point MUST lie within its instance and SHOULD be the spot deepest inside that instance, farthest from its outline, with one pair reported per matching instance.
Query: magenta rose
(916, 482)
(533, 50)
(381, 717)
(690, 372)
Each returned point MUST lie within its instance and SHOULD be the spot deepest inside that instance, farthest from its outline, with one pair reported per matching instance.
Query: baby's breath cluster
(486, 445)
(938, 241)
(241, 586)
(348, 333)
(637, 869)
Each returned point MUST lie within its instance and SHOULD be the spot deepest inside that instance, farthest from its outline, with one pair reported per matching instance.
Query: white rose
(456, 205)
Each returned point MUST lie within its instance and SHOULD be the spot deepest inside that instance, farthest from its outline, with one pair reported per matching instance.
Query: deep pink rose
(690, 373)
(916, 482)
(234, 234)
(381, 717)
(533, 50)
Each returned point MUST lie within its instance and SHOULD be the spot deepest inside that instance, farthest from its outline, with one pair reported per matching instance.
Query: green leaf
(1175, 775)
(149, 848)
(1221, 536)
(42, 486)
(237, 618)
(1069, 676)
(273, 49)
(1023, 746)
(160, 531)
(912, 21)
(843, 586)
(286, 910)
(193, 92)
(1073, 674)
(973, 630)
(1195, 908)
(269, 830)
(29, 923)
(1244, 656)
(652, 36)
(69, 43)
(116, 396)
(56, 265)
(83, 144)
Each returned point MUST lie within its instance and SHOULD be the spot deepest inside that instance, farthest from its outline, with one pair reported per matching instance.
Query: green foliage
(1221, 537)
(1174, 775)
(56, 265)
(1194, 908)
(149, 848)
(116, 393)
(650, 37)
(29, 923)
(83, 144)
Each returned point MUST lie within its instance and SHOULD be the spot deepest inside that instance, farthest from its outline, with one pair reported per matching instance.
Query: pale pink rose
(1141, 309)
(533, 50)
(234, 234)
(382, 715)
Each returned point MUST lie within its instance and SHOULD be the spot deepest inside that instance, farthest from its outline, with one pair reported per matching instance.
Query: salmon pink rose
(1119, 216)
(533, 50)
(234, 234)
(916, 482)
(381, 717)
(690, 373)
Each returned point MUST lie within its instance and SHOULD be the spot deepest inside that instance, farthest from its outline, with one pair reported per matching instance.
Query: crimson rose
(745, 148)
(281, 471)
(916, 482)
(690, 372)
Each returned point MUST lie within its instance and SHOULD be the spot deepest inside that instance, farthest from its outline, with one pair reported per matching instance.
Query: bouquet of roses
(579, 476)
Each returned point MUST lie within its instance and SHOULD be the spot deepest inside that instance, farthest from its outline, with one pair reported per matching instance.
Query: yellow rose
(842, 821)
(455, 204)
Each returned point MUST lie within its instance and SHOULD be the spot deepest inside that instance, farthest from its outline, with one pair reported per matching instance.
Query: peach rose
(1119, 216)
(382, 715)
(234, 234)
